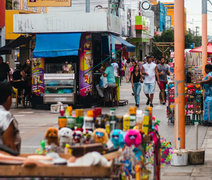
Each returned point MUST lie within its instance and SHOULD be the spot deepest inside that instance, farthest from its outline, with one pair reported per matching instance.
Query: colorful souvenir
(117, 138)
(133, 137)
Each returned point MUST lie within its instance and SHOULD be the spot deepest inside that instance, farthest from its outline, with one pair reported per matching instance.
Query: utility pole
(179, 45)
(204, 35)
(197, 27)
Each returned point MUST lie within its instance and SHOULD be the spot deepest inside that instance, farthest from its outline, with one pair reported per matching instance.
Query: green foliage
(8, 4)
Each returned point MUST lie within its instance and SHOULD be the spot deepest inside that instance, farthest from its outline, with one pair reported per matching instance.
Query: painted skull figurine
(87, 137)
(77, 136)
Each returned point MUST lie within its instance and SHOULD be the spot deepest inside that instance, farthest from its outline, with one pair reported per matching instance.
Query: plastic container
(139, 118)
(89, 123)
(132, 121)
(179, 158)
(90, 114)
(79, 112)
(132, 110)
(119, 122)
(71, 122)
(79, 122)
(146, 122)
(62, 121)
(126, 122)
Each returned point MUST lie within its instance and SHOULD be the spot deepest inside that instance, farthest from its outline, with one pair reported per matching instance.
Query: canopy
(199, 49)
(14, 44)
(55, 45)
(130, 47)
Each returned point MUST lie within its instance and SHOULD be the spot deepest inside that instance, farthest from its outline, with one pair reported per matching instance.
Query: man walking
(116, 68)
(149, 71)
(163, 70)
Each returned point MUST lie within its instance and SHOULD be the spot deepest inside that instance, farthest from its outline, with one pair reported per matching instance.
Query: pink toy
(132, 136)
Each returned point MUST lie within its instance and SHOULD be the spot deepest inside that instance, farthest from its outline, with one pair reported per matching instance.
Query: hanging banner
(38, 76)
(86, 63)
(49, 3)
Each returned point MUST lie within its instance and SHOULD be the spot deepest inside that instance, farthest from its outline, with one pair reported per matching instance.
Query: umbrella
(199, 49)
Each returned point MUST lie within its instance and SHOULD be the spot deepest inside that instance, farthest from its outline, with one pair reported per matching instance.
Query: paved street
(33, 124)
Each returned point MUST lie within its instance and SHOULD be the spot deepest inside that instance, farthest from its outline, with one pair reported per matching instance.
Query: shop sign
(38, 76)
(86, 63)
(49, 3)
(145, 5)
(66, 22)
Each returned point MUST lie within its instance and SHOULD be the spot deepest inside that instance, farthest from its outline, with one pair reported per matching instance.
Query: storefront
(82, 49)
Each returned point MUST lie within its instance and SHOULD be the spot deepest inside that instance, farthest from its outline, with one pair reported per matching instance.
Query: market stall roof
(199, 49)
(55, 45)
(130, 47)
(14, 44)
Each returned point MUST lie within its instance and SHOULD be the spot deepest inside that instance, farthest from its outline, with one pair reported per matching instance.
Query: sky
(194, 14)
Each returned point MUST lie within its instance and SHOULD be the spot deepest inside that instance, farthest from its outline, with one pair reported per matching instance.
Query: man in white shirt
(116, 68)
(123, 60)
(149, 71)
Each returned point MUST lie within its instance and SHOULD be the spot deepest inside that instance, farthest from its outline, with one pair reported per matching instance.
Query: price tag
(60, 99)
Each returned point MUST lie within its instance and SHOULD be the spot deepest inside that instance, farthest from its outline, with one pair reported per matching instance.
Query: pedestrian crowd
(20, 78)
(148, 72)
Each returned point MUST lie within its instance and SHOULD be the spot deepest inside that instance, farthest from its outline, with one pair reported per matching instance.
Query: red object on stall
(2, 13)
(199, 49)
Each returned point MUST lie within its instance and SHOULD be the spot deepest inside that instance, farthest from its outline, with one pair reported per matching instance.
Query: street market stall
(126, 146)
(193, 92)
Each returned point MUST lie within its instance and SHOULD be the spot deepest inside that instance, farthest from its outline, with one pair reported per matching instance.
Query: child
(9, 133)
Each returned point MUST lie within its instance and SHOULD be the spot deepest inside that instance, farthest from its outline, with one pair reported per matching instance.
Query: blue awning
(54, 45)
(130, 47)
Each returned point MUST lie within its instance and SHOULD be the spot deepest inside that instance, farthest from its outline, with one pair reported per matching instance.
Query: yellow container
(79, 112)
(126, 123)
(70, 109)
(146, 125)
(90, 113)
(132, 110)
(62, 121)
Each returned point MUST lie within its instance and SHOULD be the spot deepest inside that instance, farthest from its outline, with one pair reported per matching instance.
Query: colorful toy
(127, 167)
(77, 136)
(43, 149)
(100, 136)
(52, 136)
(117, 138)
(87, 136)
(133, 137)
(65, 136)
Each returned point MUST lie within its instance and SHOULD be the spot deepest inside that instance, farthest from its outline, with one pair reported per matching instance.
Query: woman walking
(136, 79)
(128, 65)
(121, 73)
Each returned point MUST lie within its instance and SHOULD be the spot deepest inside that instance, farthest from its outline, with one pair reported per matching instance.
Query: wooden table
(7, 171)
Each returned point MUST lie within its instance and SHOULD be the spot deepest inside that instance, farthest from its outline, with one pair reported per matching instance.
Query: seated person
(109, 73)
(18, 83)
(67, 67)
(9, 135)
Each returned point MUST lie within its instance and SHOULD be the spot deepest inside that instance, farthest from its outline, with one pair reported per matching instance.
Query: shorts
(162, 85)
(149, 88)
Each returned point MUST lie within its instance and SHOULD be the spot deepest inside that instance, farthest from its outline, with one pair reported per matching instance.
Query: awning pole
(103, 61)
(204, 36)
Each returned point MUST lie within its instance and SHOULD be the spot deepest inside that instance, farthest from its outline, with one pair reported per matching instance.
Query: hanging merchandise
(193, 103)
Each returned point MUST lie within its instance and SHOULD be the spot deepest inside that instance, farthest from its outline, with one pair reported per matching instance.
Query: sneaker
(133, 94)
(147, 103)
(137, 105)
(151, 105)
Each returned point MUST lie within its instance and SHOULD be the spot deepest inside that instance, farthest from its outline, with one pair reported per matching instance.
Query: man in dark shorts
(163, 70)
